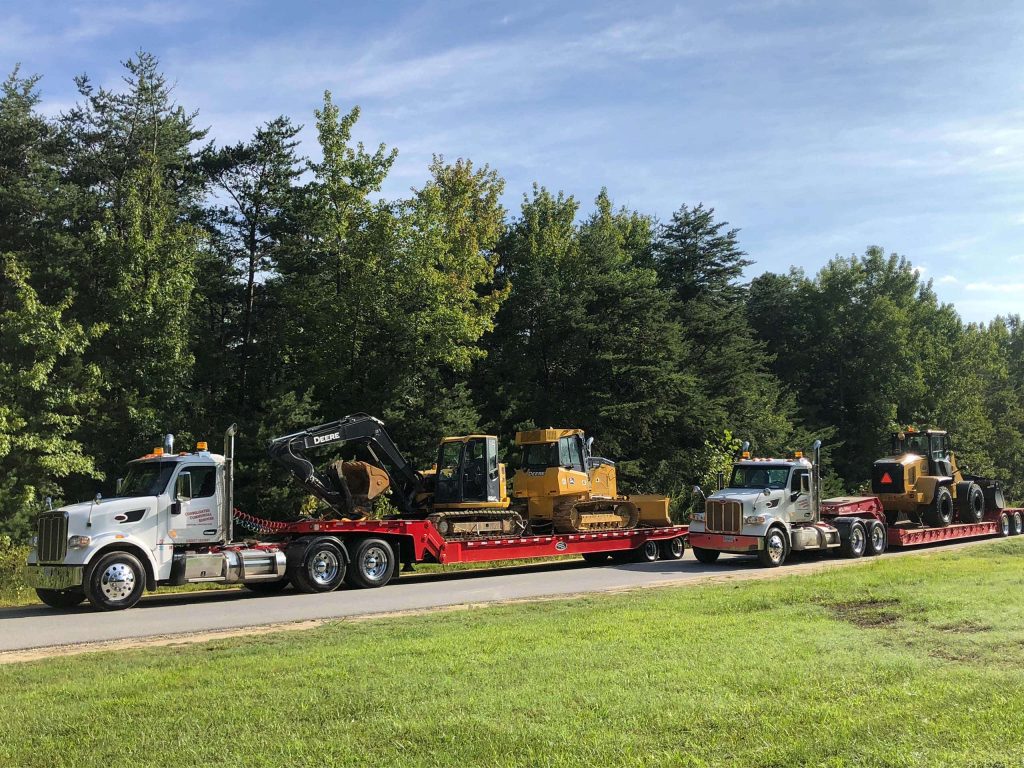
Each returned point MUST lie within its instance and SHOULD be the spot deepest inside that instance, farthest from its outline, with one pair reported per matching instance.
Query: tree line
(152, 280)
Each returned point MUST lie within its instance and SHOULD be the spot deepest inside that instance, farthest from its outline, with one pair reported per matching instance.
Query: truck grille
(723, 516)
(53, 537)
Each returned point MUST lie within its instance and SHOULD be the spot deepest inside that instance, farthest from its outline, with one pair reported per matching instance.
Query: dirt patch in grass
(966, 627)
(867, 612)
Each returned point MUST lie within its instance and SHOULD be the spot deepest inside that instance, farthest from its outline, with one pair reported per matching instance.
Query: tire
(1005, 526)
(115, 582)
(939, 513)
(61, 598)
(595, 558)
(317, 567)
(878, 539)
(1017, 524)
(673, 549)
(372, 564)
(856, 542)
(648, 552)
(268, 587)
(706, 556)
(775, 550)
(972, 504)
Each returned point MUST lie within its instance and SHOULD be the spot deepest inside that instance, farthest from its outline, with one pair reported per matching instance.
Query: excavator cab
(468, 472)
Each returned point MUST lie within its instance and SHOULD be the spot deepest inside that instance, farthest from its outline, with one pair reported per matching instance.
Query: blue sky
(816, 128)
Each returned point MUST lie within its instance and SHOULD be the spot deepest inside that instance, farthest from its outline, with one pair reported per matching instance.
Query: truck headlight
(754, 520)
(698, 516)
(78, 542)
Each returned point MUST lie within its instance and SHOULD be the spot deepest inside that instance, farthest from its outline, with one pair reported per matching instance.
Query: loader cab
(468, 472)
(932, 445)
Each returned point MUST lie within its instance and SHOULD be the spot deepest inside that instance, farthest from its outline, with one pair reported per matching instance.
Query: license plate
(728, 539)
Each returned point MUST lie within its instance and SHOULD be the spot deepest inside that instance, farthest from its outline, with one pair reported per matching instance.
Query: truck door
(195, 504)
(799, 494)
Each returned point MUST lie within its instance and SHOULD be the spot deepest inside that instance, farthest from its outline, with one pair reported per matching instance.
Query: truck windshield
(148, 478)
(766, 476)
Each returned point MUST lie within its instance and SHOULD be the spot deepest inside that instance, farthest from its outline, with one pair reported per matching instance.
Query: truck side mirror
(183, 487)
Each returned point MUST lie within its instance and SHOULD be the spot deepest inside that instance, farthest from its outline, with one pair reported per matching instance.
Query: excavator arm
(334, 488)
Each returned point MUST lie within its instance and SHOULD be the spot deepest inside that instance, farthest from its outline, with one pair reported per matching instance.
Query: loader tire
(939, 513)
(972, 504)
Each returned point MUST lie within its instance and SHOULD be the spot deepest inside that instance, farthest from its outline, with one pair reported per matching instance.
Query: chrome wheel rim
(1006, 524)
(878, 538)
(776, 547)
(323, 568)
(651, 550)
(857, 539)
(676, 547)
(117, 582)
(1017, 522)
(375, 563)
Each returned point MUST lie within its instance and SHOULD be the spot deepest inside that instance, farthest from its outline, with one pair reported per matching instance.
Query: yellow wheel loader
(921, 481)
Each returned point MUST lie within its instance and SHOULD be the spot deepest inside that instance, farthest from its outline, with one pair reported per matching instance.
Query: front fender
(107, 541)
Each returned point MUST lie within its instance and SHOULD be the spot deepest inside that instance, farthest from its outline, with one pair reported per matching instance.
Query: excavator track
(469, 523)
(595, 515)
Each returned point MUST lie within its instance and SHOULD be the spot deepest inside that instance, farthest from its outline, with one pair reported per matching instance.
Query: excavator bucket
(365, 481)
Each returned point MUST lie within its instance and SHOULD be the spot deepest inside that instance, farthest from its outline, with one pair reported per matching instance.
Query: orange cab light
(201, 445)
(158, 451)
(746, 454)
(799, 454)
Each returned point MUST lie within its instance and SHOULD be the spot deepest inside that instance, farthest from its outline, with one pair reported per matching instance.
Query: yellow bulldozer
(922, 482)
(567, 490)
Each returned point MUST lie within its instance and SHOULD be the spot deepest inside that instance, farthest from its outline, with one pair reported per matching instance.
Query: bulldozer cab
(467, 471)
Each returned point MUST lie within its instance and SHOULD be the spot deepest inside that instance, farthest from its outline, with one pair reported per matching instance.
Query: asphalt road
(194, 612)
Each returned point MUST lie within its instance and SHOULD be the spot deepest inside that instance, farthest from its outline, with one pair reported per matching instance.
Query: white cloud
(948, 280)
(1000, 288)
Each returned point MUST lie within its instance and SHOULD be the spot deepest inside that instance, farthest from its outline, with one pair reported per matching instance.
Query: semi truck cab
(771, 507)
(169, 523)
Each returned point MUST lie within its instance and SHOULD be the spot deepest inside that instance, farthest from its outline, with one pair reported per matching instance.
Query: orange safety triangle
(886, 479)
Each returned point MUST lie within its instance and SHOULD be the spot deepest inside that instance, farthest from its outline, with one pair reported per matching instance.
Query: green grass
(907, 661)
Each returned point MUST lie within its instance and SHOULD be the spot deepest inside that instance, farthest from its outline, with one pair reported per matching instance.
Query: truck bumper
(53, 576)
(723, 542)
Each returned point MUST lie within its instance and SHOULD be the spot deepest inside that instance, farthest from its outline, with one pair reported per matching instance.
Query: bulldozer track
(571, 517)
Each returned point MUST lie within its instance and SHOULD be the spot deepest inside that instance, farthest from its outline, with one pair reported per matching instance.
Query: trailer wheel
(372, 564)
(972, 504)
(648, 552)
(673, 549)
(1017, 524)
(595, 558)
(878, 538)
(267, 587)
(1004, 524)
(706, 556)
(320, 567)
(775, 548)
(61, 598)
(939, 513)
(115, 582)
(855, 543)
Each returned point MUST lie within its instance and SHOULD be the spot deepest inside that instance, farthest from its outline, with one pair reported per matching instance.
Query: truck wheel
(939, 513)
(1017, 524)
(775, 549)
(672, 549)
(320, 567)
(595, 558)
(267, 587)
(115, 582)
(1004, 524)
(706, 556)
(372, 564)
(61, 598)
(855, 543)
(648, 552)
(972, 504)
(878, 538)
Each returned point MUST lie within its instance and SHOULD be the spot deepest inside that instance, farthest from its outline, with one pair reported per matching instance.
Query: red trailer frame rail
(430, 546)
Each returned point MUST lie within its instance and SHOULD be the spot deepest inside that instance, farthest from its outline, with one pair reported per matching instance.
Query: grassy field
(907, 661)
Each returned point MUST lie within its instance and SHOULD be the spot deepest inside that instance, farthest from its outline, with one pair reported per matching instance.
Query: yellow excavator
(568, 490)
